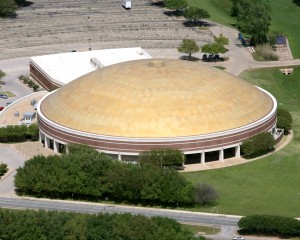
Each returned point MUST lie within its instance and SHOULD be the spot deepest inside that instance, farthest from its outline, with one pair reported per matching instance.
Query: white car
(238, 238)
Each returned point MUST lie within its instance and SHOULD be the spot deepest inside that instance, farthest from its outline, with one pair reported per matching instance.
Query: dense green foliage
(270, 226)
(254, 17)
(214, 48)
(177, 5)
(61, 225)
(7, 8)
(195, 14)
(162, 157)
(19, 133)
(284, 120)
(274, 179)
(3, 169)
(222, 40)
(84, 173)
(188, 46)
(217, 46)
(258, 145)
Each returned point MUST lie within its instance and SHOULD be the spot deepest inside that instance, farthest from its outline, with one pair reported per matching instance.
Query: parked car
(1, 108)
(3, 96)
(8, 103)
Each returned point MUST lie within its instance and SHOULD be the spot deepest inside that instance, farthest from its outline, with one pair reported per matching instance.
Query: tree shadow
(175, 13)
(297, 2)
(187, 58)
(157, 3)
(197, 24)
(25, 4)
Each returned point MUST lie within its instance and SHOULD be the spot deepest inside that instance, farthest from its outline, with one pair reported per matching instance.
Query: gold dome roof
(156, 98)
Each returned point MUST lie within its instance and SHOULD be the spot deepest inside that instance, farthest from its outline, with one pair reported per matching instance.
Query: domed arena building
(130, 107)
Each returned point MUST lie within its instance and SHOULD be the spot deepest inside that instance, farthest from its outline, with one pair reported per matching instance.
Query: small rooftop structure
(56, 70)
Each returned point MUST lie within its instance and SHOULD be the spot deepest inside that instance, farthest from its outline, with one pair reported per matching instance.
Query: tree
(214, 48)
(195, 14)
(205, 193)
(188, 46)
(254, 17)
(7, 8)
(258, 145)
(177, 5)
(222, 40)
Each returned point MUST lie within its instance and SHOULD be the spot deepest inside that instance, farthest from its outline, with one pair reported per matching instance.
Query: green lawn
(285, 17)
(203, 229)
(270, 185)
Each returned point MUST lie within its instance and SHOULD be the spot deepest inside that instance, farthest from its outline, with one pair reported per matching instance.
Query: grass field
(203, 229)
(285, 17)
(270, 185)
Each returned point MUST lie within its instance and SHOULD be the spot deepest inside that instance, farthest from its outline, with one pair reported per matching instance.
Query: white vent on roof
(96, 63)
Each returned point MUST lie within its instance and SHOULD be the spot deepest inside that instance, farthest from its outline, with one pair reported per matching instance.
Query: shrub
(284, 120)
(265, 53)
(3, 169)
(269, 225)
(205, 194)
(284, 113)
(222, 40)
(35, 87)
(162, 157)
(258, 145)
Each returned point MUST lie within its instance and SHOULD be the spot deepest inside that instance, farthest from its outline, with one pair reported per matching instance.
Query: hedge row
(19, 133)
(29, 82)
(284, 227)
(62, 225)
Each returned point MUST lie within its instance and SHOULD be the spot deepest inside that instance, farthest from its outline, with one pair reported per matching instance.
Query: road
(93, 208)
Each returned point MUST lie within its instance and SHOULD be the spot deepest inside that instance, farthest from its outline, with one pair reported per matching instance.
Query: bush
(270, 226)
(3, 169)
(205, 194)
(222, 40)
(162, 157)
(35, 87)
(258, 145)
(284, 120)
(265, 53)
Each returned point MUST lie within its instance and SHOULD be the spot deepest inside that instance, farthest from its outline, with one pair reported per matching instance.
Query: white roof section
(63, 68)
